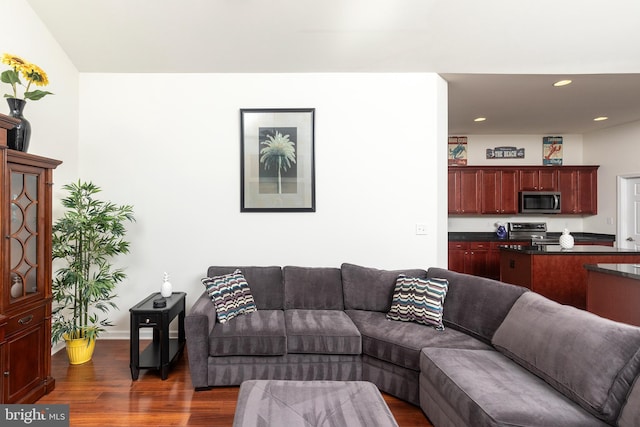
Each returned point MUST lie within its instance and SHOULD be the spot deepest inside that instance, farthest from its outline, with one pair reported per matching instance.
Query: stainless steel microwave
(534, 202)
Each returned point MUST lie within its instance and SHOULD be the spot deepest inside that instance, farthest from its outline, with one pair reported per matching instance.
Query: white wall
(617, 152)
(54, 119)
(477, 146)
(169, 144)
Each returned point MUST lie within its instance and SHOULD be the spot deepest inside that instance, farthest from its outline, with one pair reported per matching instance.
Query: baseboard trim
(145, 334)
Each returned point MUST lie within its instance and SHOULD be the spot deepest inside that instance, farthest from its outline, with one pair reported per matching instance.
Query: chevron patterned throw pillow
(419, 300)
(230, 294)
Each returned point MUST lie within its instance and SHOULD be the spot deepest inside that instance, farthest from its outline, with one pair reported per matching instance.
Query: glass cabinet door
(24, 234)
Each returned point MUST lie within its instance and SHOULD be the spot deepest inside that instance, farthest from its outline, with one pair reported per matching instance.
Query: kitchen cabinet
(493, 261)
(25, 276)
(464, 190)
(477, 258)
(538, 179)
(469, 257)
(499, 192)
(579, 190)
(493, 190)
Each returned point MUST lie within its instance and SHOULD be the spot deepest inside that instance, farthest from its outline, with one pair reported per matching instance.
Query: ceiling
(500, 57)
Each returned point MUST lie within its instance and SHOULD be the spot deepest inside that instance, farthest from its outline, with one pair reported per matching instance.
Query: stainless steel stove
(536, 232)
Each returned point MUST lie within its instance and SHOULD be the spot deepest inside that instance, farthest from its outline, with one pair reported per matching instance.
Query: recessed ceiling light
(479, 119)
(562, 83)
(601, 118)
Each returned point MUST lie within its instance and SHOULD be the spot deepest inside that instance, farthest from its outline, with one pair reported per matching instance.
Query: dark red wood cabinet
(538, 179)
(479, 258)
(499, 191)
(464, 190)
(25, 273)
(579, 189)
(493, 190)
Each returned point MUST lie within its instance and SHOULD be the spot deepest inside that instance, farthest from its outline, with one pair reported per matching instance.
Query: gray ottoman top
(311, 403)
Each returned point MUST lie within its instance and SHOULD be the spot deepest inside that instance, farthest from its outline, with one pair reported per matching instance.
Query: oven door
(543, 241)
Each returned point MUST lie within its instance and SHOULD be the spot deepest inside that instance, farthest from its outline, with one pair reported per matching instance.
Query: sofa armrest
(198, 325)
(630, 415)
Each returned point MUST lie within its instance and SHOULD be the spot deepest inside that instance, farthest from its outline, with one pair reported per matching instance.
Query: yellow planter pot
(79, 350)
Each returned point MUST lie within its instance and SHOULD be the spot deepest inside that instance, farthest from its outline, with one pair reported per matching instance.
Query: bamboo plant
(89, 234)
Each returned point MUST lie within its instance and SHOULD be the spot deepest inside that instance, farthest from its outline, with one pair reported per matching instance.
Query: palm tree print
(280, 153)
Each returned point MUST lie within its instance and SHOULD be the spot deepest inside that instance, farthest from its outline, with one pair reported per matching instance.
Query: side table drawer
(148, 320)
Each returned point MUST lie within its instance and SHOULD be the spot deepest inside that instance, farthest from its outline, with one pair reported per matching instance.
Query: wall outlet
(421, 229)
(609, 220)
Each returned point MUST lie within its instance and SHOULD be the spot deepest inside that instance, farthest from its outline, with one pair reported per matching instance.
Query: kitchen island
(558, 274)
(478, 253)
(613, 291)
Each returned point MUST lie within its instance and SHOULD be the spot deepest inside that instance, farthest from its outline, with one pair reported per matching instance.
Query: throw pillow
(230, 294)
(419, 300)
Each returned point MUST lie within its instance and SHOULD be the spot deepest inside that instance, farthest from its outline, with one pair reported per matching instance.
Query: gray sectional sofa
(507, 356)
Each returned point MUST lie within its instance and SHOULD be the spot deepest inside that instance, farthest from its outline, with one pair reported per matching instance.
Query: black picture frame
(277, 160)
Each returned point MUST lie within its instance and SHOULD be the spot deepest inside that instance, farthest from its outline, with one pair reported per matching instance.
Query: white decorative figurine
(566, 240)
(166, 290)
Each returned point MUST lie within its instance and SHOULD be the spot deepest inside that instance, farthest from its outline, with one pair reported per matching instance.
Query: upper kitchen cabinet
(578, 186)
(464, 190)
(493, 190)
(538, 179)
(499, 194)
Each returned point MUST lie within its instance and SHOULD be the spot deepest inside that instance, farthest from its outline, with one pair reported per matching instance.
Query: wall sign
(505, 153)
(552, 150)
(457, 150)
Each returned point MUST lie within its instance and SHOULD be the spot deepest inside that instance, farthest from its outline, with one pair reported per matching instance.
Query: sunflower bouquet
(30, 72)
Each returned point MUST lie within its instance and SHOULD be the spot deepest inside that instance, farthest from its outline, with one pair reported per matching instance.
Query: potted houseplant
(85, 238)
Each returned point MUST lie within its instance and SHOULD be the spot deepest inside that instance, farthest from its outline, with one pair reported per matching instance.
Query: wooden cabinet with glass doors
(25, 276)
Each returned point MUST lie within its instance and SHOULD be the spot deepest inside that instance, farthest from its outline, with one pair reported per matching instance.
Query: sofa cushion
(418, 300)
(371, 289)
(321, 332)
(400, 342)
(475, 305)
(261, 333)
(484, 388)
(312, 288)
(591, 360)
(230, 294)
(265, 283)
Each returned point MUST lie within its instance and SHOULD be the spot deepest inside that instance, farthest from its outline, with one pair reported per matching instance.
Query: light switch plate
(421, 229)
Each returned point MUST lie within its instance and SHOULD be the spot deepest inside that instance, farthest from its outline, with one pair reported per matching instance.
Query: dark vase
(18, 137)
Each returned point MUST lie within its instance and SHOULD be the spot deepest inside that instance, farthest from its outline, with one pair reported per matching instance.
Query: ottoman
(311, 403)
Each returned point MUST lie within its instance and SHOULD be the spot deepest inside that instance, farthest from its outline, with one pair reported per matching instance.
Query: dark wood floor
(102, 393)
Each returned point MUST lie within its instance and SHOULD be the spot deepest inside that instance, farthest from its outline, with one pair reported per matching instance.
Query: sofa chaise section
(552, 365)
(483, 388)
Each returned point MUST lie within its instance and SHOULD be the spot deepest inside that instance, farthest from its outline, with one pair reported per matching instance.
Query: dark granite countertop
(464, 236)
(631, 271)
(576, 250)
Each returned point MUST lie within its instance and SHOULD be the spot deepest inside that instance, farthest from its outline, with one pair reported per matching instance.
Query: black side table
(162, 352)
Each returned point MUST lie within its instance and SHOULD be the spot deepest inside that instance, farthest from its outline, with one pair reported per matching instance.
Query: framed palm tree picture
(277, 165)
